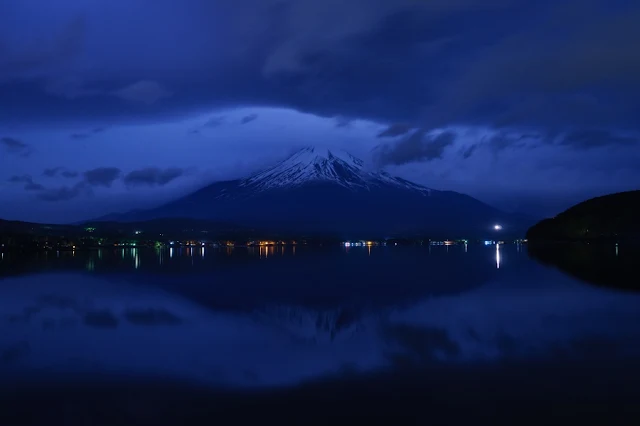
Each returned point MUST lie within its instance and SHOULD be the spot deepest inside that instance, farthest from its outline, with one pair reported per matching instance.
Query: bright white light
(497, 227)
(497, 256)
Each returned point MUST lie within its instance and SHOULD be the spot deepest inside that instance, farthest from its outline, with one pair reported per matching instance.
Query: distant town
(34, 237)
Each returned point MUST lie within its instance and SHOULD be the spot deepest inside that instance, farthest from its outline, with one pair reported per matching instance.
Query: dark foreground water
(440, 335)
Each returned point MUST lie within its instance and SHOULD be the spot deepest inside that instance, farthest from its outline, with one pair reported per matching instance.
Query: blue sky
(108, 106)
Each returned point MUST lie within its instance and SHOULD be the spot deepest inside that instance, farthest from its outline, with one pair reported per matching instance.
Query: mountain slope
(613, 216)
(322, 191)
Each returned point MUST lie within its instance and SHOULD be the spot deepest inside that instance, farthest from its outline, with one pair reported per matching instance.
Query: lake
(451, 334)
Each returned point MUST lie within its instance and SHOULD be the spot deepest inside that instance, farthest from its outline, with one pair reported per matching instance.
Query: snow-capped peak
(312, 164)
(321, 156)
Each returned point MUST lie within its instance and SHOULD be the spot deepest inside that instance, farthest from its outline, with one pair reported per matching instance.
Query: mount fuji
(330, 191)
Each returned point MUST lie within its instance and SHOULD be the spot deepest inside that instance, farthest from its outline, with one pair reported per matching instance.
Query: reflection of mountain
(607, 265)
(326, 280)
(311, 325)
(320, 280)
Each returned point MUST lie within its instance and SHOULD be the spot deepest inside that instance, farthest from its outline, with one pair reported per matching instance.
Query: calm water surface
(455, 333)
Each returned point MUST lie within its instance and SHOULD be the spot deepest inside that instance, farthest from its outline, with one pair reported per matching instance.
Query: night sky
(114, 105)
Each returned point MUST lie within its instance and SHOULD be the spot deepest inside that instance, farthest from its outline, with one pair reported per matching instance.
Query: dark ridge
(614, 217)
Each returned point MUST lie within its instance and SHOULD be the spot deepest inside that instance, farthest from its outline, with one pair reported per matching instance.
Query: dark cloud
(502, 141)
(64, 193)
(27, 180)
(102, 176)
(87, 135)
(215, 121)
(436, 63)
(499, 142)
(569, 70)
(24, 59)
(33, 186)
(151, 317)
(587, 139)
(48, 194)
(145, 92)
(397, 129)
(100, 319)
(52, 172)
(343, 122)
(249, 118)
(79, 135)
(468, 151)
(152, 176)
(68, 174)
(20, 179)
(59, 171)
(15, 146)
(419, 146)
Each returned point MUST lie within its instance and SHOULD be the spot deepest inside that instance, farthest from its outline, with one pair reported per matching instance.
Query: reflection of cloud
(419, 344)
(537, 316)
(15, 352)
(56, 301)
(48, 324)
(151, 316)
(100, 319)
(49, 302)
(528, 318)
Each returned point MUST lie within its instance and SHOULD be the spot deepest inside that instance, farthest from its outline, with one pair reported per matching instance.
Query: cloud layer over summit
(511, 101)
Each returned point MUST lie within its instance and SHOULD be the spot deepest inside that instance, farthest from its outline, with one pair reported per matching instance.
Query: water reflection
(266, 318)
(599, 264)
(266, 251)
(136, 258)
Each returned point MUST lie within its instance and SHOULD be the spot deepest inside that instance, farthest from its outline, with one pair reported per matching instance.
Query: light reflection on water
(266, 317)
